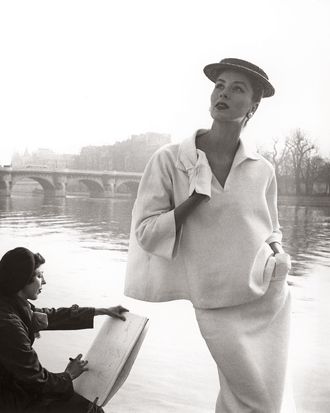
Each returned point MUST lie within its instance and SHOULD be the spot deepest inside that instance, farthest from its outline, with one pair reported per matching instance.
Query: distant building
(42, 158)
(130, 155)
(141, 149)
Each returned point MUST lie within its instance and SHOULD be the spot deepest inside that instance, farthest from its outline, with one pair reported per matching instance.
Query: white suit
(221, 261)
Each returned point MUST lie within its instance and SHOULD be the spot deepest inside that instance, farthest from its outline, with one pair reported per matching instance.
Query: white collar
(187, 155)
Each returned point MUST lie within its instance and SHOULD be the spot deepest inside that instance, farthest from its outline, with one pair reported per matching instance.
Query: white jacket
(221, 256)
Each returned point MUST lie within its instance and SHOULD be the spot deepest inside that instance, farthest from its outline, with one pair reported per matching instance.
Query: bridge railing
(67, 171)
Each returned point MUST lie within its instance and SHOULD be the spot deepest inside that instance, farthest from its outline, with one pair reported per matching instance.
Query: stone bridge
(104, 184)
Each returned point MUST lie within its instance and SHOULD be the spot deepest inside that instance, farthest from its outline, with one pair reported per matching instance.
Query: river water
(85, 245)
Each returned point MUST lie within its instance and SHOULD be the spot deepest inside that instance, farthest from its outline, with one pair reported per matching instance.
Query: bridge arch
(46, 184)
(94, 187)
(55, 182)
(127, 186)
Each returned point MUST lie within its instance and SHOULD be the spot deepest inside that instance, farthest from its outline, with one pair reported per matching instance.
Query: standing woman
(205, 228)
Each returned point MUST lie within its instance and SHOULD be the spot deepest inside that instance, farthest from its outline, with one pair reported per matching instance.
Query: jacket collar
(187, 155)
(21, 307)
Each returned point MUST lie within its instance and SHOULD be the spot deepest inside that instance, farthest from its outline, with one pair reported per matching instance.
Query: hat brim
(213, 70)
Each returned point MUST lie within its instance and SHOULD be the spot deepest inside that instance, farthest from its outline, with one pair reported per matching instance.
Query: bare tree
(297, 164)
(324, 175)
(300, 148)
(278, 156)
(311, 172)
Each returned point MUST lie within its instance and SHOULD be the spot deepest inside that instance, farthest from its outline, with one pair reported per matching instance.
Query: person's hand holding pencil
(76, 366)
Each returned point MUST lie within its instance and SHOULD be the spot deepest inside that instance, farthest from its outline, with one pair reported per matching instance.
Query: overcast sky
(75, 73)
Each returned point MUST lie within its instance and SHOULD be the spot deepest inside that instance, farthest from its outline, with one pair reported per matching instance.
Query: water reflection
(5, 204)
(105, 224)
(306, 234)
(100, 223)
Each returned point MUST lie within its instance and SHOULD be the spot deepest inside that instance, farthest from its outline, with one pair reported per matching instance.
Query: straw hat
(213, 70)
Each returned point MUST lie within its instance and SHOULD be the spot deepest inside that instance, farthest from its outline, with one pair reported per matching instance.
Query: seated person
(25, 385)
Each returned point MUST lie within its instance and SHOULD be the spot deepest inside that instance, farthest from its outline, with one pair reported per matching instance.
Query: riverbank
(304, 200)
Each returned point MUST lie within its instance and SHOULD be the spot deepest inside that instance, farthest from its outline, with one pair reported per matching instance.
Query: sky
(76, 73)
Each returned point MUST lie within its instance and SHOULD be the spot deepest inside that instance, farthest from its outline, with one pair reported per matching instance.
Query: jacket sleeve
(18, 357)
(153, 213)
(271, 196)
(73, 318)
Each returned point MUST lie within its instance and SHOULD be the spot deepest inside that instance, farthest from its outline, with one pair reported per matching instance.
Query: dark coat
(23, 380)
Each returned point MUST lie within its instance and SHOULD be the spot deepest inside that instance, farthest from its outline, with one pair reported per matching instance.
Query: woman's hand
(276, 247)
(283, 260)
(76, 367)
(115, 312)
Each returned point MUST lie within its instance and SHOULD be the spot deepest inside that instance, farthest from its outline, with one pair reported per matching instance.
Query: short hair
(258, 89)
(38, 261)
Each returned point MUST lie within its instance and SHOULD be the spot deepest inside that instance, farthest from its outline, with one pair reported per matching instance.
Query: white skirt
(250, 344)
